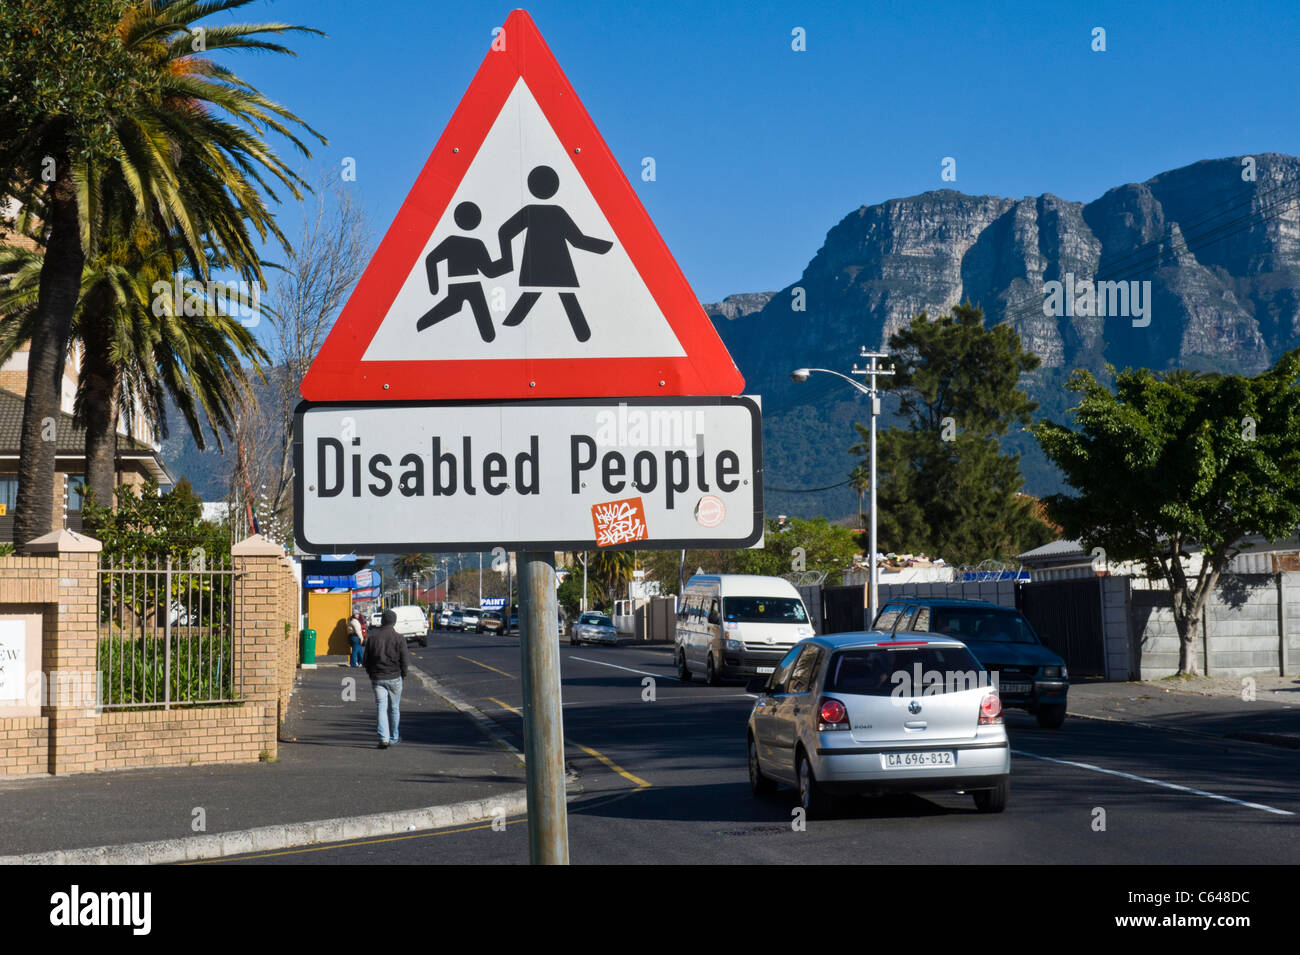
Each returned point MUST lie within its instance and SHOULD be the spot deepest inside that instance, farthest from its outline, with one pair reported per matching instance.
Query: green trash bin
(309, 647)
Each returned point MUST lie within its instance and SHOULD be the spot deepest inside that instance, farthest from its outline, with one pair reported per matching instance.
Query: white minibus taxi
(736, 626)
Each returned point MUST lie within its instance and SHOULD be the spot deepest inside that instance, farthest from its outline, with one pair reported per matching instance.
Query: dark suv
(1030, 676)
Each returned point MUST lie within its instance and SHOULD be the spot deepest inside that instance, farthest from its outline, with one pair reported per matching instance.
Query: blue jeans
(358, 655)
(388, 700)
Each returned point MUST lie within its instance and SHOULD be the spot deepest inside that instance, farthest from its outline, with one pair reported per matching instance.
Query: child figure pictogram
(465, 256)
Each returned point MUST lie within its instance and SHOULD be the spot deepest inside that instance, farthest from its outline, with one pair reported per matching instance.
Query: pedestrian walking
(386, 663)
(357, 638)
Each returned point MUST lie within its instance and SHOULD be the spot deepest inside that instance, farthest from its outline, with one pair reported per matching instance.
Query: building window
(8, 495)
(76, 491)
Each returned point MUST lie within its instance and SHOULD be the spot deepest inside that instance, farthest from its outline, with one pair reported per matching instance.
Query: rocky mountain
(1197, 268)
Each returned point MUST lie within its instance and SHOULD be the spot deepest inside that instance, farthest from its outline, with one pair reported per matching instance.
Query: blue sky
(760, 149)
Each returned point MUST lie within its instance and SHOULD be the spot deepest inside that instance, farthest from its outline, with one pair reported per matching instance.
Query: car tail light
(990, 710)
(831, 715)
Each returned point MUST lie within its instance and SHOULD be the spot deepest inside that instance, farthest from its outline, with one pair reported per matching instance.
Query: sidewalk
(1208, 706)
(329, 768)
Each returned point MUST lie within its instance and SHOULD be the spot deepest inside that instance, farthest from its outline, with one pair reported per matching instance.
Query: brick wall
(59, 581)
(24, 745)
(132, 739)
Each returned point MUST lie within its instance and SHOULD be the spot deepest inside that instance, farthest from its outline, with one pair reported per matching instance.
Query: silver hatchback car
(864, 713)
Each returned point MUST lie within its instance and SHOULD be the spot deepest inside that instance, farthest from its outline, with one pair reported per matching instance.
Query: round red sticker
(710, 511)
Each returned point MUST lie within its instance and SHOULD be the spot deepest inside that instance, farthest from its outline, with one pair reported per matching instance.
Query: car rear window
(905, 671)
(981, 624)
(595, 620)
(764, 610)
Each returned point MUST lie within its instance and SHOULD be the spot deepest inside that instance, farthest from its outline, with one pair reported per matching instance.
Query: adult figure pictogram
(546, 263)
(464, 256)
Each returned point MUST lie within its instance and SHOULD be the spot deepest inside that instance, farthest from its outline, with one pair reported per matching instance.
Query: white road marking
(1156, 782)
(601, 663)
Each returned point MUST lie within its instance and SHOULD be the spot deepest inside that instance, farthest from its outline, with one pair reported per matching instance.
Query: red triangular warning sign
(521, 264)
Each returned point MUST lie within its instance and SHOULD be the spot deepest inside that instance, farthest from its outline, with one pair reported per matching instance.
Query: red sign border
(339, 374)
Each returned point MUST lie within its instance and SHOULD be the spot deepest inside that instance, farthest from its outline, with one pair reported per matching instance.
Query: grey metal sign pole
(539, 649)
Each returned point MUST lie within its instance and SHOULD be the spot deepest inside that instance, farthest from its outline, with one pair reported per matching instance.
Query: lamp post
(871, 371)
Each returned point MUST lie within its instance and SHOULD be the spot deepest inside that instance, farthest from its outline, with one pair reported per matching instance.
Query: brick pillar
(69, 644)
(260, 566)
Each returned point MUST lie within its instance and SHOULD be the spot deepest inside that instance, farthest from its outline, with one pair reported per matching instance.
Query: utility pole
(539, 649)
(871, 371)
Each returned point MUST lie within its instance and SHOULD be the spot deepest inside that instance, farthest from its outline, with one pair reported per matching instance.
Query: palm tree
(134, 355)
(412, 566)
(141, 114)
(610, 569)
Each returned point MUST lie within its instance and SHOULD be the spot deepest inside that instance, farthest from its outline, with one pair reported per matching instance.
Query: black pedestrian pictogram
(546, 262)
(464, 256)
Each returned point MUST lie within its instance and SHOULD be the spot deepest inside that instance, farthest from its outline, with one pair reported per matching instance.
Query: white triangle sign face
(521, 265)
(601, 284)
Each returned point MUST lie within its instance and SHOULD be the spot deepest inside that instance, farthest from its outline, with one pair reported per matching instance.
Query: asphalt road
(664, 781)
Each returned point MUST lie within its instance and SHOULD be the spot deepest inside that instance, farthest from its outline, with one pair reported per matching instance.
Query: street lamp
(872, 370)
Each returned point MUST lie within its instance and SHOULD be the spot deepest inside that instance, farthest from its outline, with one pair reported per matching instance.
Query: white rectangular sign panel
(579, 474)
(13, 660)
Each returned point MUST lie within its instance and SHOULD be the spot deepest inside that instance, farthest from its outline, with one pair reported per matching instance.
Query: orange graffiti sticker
(618, 522)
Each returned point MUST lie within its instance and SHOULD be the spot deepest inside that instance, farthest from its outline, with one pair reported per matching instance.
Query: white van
(412, 624)
(735, 626)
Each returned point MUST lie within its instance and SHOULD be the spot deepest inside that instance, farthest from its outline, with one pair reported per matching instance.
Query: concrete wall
(1246, 631)
(1114, 627)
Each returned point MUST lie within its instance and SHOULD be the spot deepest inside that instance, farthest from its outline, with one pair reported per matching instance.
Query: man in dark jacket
(386, 661)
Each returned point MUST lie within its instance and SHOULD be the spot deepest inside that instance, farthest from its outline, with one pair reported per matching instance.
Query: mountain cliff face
(1195, 268)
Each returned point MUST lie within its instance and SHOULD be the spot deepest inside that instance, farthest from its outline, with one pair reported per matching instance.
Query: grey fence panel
(169, 635)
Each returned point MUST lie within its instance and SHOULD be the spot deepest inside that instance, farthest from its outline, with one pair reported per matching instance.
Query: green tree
(147, 531)
(945, 487)
(569, 593)
(801, 545)
(112, 98)
(408, 567)
(1170, 462)
(608, 572)
(133, 354)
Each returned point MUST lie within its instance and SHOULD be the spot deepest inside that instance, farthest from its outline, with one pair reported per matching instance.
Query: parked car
(444, 619)
(514, 621)
(737, 625)
(491, 621)
(592, 627)
(377, 618)
(469, 619)
(843, 714)
(412, 624)
(455, 620)
(1029, 676)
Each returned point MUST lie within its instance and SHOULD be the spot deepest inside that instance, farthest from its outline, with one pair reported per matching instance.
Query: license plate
(916, 760)
(766, 669)
(1015, 687)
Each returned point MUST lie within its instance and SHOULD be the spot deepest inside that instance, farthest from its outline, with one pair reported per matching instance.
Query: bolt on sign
(522, 363)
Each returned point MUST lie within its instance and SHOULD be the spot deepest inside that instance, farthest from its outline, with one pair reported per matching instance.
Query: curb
(267, 838)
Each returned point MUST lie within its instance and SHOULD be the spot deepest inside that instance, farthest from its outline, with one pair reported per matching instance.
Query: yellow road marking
(636, 780)
(486, 667)
(630, 777)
